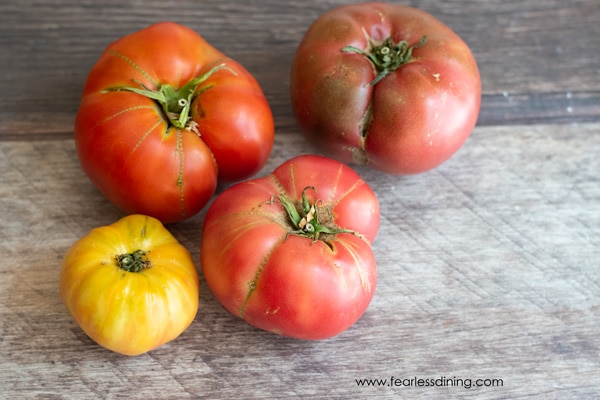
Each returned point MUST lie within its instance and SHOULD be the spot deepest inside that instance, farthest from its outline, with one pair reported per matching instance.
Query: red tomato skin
(139, 175)
(240, 134)
(412, 120)
(333, 181)
(129, 149)
(316, 294)
(285, 283)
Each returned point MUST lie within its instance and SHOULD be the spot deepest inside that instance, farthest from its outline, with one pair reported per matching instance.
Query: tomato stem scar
(176, 103)
(386, 56)
(136, 261)
(305, 217)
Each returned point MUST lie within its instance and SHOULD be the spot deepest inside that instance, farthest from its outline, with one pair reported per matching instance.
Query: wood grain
(538, 60)
(489, 266)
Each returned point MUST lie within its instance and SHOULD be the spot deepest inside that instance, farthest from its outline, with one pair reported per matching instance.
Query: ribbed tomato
(291, 252)
(385, 85)
(163, 116)
(130, 286)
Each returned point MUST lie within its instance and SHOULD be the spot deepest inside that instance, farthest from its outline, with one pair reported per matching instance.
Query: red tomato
(163, 116)
(291, 252)
(385, 85)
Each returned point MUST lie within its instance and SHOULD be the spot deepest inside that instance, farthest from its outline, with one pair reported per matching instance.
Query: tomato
(130, 286)
(164, 116)
(291, 252)
(385, 85)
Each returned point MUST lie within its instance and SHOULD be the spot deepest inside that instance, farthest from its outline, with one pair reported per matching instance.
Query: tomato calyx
(136, 261)
(310, 220)
(386, 56)
(176, 103)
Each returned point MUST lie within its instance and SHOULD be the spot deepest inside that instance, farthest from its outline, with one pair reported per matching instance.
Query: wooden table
(489, 266)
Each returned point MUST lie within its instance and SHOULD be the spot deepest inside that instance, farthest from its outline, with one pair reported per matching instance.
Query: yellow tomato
(131, 286)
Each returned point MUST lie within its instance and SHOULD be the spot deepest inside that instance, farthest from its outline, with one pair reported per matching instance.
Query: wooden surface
(489, 266)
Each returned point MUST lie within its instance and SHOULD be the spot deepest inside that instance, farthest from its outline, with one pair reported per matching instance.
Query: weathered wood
(489, 266)
(537, 59)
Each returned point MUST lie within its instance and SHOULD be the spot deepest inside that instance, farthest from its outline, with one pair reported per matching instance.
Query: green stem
(176, 103)
(136, 261)
(305, 218)
(386, 56)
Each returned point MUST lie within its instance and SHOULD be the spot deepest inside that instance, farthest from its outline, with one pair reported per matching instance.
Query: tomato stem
(386, 56)
(176, 103)
(136, 261)
(305, 218)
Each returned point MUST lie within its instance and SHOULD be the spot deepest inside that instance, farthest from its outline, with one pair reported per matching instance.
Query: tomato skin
(130, 312)
(282, 282)
(410, 121)
(131, 151)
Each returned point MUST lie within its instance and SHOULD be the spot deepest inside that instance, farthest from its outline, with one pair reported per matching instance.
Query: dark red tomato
(163, 116)
(385, 85)
(291, 252)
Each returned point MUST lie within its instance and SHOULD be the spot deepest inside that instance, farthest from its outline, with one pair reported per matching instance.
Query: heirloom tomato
(130, 286)
(163, 116)
(290, 253)
(385, 85)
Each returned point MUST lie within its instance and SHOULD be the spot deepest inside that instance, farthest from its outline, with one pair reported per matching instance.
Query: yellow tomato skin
(130, 312)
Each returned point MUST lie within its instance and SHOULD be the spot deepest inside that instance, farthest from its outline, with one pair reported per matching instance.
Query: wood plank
(488, 269)
(544, 55)
(488, 265)
(539, 108)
